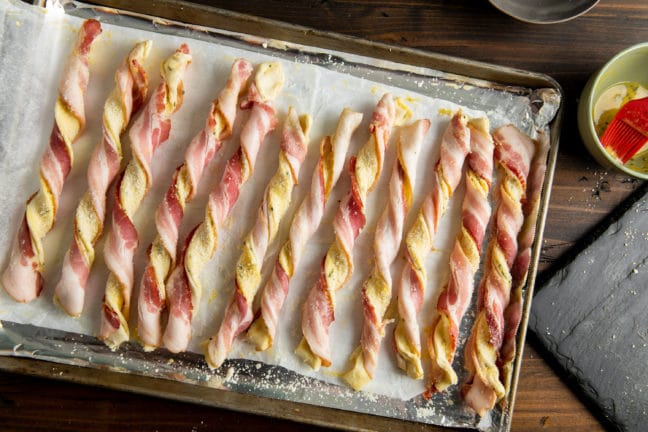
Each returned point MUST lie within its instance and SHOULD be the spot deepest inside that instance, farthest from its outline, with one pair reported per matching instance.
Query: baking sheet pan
(438, 76)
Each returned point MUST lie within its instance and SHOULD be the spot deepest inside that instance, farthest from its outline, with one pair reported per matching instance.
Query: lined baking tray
(80, 358)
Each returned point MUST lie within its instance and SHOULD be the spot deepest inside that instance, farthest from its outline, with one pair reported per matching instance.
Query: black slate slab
(592, 316)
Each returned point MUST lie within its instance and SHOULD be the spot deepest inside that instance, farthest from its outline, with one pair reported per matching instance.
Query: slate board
(592, 316)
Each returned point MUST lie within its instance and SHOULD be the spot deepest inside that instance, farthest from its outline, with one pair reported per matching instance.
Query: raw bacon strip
(276, 199)
(149, 131)
(464, 260)
(161, 253)
(337, 265)
(125, 100)
(183, 286)
(22, 279)
(455, 145)
(306, 221)
(513, 153)
(520, 269)
(377, 289)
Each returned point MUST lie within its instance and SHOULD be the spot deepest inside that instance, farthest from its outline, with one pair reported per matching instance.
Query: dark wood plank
(545, 402)
(583, 194)
(38, 404)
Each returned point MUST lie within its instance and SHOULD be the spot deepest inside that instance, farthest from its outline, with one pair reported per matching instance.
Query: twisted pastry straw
(276, 199)
(125, 100)
(455, 145)
(148, 132)
(304, 224)
(513, 153)
(161, 253)
(183, 287)
(520, 269)
(464, 260)
(22, 279)
(337, 265)
(377, 289)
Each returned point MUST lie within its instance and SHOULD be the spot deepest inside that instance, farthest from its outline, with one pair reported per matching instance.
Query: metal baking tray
(51, 353)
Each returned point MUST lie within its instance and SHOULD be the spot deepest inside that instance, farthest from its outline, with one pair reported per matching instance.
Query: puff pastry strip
(377, 289)
(22, 278)
(276, 199)
(520, 269)
(161, 254)
(337, 265)
(126, 99)
(457, 293)
(183, 286)
(149, 131)
(455, 146)
(333, 151)
(513, 153)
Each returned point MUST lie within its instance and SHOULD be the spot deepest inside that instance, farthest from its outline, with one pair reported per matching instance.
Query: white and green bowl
(630, 65)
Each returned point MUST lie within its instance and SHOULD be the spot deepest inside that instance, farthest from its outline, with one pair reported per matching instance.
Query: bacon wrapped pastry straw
(464, 259)
(183, 287)
(161, 253)
(306, 221)
(337, 265)
(377, 289)
(455, 145)
(513, 152)
(149, 131)
(520, 269)
(276, 199)
(22, 279)
(125, 100)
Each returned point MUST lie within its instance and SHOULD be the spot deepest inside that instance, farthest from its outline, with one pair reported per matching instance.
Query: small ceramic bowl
(544, 11)
(631, 65)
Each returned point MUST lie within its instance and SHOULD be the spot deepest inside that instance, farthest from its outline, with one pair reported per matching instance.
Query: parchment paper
(34, 43)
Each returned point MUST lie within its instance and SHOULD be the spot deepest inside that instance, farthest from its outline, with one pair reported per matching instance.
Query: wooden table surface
(583, 194)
